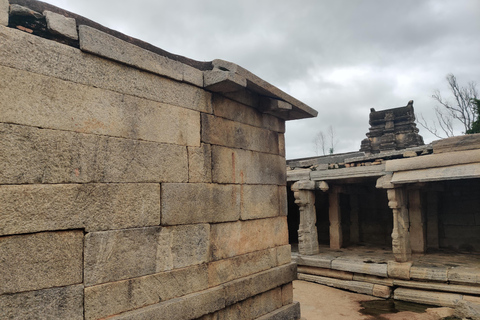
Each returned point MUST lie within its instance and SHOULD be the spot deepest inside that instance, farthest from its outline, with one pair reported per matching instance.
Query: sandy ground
(321, 302)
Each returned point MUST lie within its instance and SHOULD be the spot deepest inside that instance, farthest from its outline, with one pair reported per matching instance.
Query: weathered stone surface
(120, 296)
(218, 80)
(282, 199)
(322, 261)
(433, 161)
(373, 279)
(94, 207)
(18, 10)
(259, 201)
(58, 104)
(343, 275)
(467, 310)
(223, 132)
(287, 294)
(464, 275)
(32, 155)
(291, 311)
(355, 286)
(284, 254)
(200, 163)
(191, 306)
(183, 246)
(399, 270)
(438, 286)
(427, 297)
(105, 45)
(40, 260)
(186, 203)
(298, 174)
(281, 145)
(244, 166)
(463, 171)
(254, 307)
(56, 23)
(375, 269)
(458, 143)
(250, 286)
(235, 238)
(4, 9)
(50, 58)
(225, 270)
(346, 173)
(429, 273)
(381, 291)
(229, 109)
(52, 303)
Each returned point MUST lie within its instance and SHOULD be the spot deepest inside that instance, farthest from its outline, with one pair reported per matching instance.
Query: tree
(322, 141)
(476, 124)
(463, 109)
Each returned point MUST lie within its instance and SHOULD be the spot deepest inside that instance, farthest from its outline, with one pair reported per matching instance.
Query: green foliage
(476, 124)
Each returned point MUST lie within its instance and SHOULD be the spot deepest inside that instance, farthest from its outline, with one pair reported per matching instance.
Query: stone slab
(228, 133)
(187, 203)
(250, 286)
(343, 275)
(347, 173)
(59, 24)
(51, 58)
(220, 80)
(427, 297)
(229, 109)
(298, 174)
(120, 296)
(290, 311)
(200, 163)
(429, 273)
(105, 45)
(463, 289)
(355, 286)
(399, 270)
(33, 155)
(247, 167)
(4, 9)
(235, 238)
(463, 171)
(259, 201)
(191, 306)
(254, 307)
(52, 303)
(93, 207)
(40, 260)
(373, 279)
(64, 105)
(320, 261)
(465, 275)
(458, 143)
(374, 269)
(226, 270)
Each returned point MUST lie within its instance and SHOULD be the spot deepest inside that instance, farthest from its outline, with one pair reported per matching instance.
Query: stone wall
(129, 191)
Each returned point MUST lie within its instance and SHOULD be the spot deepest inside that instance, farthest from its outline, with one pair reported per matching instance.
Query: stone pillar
(354, 223)
(335, 217)
(432, 220)
(304, 192)
(417, 222)
(400, 235)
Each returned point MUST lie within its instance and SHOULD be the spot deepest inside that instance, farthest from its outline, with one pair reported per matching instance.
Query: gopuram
(397, 219)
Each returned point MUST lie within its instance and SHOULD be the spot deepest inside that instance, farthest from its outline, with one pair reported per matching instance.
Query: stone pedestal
(335, 217)
(304, 192)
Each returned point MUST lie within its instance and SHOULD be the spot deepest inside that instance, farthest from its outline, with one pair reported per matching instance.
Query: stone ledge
(427, 297)
(290, 312)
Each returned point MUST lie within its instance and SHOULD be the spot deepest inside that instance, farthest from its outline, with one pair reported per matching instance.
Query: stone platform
(442, 279)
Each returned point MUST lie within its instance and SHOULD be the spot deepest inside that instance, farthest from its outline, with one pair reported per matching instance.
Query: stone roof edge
(216, 76)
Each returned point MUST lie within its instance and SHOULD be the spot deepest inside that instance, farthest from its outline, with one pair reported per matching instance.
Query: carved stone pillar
(304, 192)
(335, 217)
(400, 235)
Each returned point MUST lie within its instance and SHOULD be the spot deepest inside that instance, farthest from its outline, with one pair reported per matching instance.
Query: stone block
(250, 286)
(244, 166)
(373, 279)
(232, 110)
(4, 10)
(355, 286)
(223, 132)
(381, 291)
(427, 297)
(105, 45)
(52, 303)
(120, 296)
(64, 105)
(343, 275)
(287, 294)
(200, 163)
(291, 312)
(57, 60)
(399, 270)
(191, 306)
(259, 201)
(429, 273)
(282, 199)
(187, 203)
(284, 254)
(225, 270)
(33, 155)
(374, 269)
(254, 307)
(235, 238)
(466, 275)
(467, 310)
(93, 207)
(298, 174)
(218, 80)
(40, 260)
(320, 261)
(59, 24)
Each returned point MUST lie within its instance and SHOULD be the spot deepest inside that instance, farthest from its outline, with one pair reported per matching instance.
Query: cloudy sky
(340, 57)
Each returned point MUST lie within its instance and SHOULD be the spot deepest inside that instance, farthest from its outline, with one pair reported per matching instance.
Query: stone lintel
(463, 171)
(347, 173)
(298, 174)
